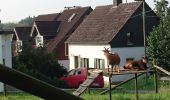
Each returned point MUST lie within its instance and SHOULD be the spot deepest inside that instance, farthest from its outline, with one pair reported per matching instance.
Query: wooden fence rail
(163, 70)
(34, 86)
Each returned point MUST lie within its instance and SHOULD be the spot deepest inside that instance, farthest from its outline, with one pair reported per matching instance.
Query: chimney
(117, 2)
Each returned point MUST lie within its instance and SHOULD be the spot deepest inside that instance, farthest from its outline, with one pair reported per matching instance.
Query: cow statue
(113, 59)
(137, 65)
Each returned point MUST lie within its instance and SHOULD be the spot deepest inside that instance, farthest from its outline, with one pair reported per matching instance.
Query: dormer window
(39, 41)
(129, 38)
(19, 45)
(72, 17)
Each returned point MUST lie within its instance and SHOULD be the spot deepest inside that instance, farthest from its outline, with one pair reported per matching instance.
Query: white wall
(95, 51)
(129, 52)
(5, 52)
(86, 51)
(6, 49)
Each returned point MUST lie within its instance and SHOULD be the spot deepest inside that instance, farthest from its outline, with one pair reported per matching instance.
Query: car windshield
(72, 72)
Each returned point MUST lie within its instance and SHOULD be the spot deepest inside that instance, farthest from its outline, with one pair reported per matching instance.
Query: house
(43, 31)
(118, 27)
(52, 30)
(5, 50)
(21, 37)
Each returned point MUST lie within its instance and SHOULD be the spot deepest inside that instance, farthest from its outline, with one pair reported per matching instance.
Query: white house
(56, 28)
(20, 38)
(117, 27)
(5, 51)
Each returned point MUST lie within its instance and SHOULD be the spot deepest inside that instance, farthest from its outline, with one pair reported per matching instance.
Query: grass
(124, 93)
(117, 94)
(18, 96)
(128, 96)
(143, 84)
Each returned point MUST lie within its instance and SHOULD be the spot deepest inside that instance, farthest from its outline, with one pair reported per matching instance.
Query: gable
(48, 29)
(70, 19)
(22, 33)
(134, 26)
(103, 24)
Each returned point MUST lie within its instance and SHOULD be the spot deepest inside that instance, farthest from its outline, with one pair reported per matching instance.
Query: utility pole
(143, 17)
(144, 33)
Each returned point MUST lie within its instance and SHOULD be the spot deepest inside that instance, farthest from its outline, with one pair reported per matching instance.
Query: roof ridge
(119, 4)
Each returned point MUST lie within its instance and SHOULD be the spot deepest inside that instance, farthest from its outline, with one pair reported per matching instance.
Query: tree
(161, 7)
(28, 21)
(9, 25)
(158, 43)
(40, 64)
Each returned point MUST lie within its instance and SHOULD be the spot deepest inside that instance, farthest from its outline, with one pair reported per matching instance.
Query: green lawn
(162, 95)
(126, 92)
(18, 96)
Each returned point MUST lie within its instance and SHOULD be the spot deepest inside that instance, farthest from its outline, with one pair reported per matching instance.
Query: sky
(15, 10)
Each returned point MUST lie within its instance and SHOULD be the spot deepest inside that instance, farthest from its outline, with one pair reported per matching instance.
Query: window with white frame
(19, 45)
(84, 62)
(76, 61)
(39, 40)
(99, 63)
(66, 49)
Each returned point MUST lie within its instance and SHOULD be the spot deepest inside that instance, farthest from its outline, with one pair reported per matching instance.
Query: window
(39, 41)
(76, 61)
(84, 62)
(72, 17)
(129, 59)
(129, 39)
(99, 63)
(19, 45)
(66, 49)
(3, 60)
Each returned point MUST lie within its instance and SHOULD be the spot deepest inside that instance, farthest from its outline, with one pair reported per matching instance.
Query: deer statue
(113, 59)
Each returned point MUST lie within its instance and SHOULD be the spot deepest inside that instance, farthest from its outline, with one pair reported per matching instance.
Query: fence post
(110, 87)
(136, 86)
(155, 76)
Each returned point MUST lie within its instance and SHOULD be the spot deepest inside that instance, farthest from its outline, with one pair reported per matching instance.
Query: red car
(75, 77)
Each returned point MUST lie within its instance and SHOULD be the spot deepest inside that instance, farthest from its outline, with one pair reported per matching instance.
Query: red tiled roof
(103, 24)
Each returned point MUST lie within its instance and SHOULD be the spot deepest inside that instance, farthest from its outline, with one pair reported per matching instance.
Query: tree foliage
(39, 63)
(162, 8)
(158, 43)
(28, 21)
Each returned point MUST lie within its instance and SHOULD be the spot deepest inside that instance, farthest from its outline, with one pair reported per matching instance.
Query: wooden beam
(163, 70)
(31, 85)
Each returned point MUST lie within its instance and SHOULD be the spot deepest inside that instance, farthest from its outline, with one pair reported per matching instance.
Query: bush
(40, 64)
